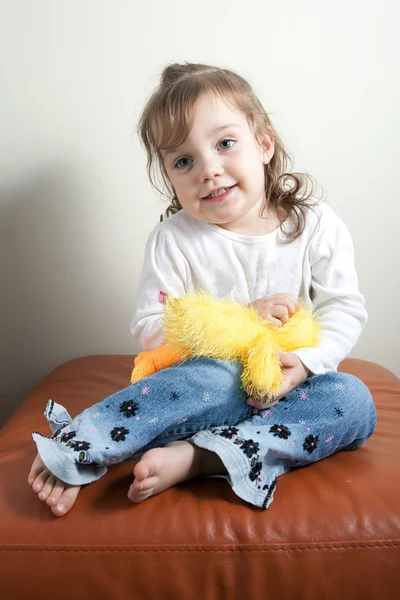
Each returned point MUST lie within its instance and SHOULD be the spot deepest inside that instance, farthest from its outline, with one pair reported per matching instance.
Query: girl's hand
(276, 309)
(294, 372)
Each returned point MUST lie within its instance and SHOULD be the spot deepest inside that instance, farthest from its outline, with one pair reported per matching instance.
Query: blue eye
(182, 163)
(226, 144)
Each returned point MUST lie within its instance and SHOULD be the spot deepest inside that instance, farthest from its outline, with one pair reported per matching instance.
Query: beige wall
(75, 204)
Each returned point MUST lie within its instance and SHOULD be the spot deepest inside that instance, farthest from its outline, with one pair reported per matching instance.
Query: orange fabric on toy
(148, 363)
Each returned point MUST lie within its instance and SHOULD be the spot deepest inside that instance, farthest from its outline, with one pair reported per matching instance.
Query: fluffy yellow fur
(223, 330)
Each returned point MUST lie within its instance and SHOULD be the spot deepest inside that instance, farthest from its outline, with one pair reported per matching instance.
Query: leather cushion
(333, 529)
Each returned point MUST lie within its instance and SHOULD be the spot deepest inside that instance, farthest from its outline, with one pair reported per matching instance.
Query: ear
(268, 149)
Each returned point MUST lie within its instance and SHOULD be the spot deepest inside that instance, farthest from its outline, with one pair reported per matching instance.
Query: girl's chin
(222, 213)
(222, 221)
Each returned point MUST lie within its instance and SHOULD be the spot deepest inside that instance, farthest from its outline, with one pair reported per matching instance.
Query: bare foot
(161, 468)
(58, 495)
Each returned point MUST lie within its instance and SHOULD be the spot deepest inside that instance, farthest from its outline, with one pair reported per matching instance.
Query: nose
(210, 168)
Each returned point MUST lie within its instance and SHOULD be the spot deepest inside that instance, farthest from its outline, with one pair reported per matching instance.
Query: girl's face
(218, 171)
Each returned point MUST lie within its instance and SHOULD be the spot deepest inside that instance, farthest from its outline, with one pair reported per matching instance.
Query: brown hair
(167, 118)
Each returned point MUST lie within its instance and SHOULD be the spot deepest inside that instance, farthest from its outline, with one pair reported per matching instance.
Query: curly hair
(167, 118)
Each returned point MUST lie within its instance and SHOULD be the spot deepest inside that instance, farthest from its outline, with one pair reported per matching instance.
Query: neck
(254, 225)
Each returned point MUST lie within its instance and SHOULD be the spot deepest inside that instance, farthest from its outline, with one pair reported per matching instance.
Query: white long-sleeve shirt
(183, 254)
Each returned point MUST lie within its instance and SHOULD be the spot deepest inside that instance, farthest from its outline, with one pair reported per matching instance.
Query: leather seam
(394, 544)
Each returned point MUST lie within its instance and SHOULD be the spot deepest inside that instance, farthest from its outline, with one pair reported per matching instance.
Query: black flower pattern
(80, 445)
(174, 396)
(228, 432)
(128, 408)
(118, 434)
(338, 412)
(58, 431)
(280, 431)
(249, 447)
(255, 470)
(84, 458)
(310, 443)
(68, 436)
(251, 450)
(255, 474)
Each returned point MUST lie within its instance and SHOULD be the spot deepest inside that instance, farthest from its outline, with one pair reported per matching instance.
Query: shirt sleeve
(164, 270)
(338, 304)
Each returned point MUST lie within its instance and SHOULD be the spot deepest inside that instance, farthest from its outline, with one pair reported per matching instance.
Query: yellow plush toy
(198, 325)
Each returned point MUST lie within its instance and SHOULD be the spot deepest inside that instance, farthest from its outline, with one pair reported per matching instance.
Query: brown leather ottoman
(333, 530)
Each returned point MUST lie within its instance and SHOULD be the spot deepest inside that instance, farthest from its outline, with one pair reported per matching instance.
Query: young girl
(240, 227)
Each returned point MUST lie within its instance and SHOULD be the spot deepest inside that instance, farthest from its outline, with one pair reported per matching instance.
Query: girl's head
(205, 130)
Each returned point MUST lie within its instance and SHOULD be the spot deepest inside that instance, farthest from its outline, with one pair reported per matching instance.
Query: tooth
(218, 192)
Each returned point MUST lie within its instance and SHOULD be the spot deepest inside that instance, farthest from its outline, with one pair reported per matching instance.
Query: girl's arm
(338, 303)
(164, 270)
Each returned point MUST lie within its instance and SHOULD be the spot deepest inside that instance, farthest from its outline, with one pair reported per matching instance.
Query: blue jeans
(202, 400)
(172, 404)
(327, 413)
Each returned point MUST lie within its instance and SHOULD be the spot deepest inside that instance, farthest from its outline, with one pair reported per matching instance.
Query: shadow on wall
(50, 308)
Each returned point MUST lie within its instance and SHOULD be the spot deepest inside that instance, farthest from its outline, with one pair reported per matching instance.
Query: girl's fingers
(274, 322)
(291, 306)
(276, 309)
(280, 312)
(261, 403)
(283, 298)
(287, 359)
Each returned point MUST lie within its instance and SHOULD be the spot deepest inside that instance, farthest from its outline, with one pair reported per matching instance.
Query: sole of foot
(162, 468)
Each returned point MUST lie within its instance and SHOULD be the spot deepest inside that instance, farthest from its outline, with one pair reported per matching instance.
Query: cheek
(249, 162)
(184, 193)
(182, 188)
(258, 171)
(251, 173)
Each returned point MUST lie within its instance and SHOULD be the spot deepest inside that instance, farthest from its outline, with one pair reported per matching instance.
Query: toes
(40, 480)
(36, 468)
(47, 487)
(55, 493)
(66, 500)
(149, 484)
(137, 498)
(141, 470)
(131, 491)
(139, 491)
(136, 495)
(144, 469)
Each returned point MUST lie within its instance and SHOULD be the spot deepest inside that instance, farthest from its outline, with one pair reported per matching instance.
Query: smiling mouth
(218, 192)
